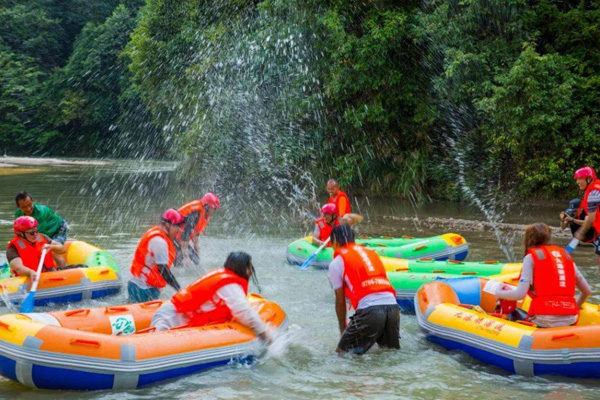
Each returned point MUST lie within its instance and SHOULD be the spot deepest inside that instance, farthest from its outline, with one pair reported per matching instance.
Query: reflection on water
(111, 206)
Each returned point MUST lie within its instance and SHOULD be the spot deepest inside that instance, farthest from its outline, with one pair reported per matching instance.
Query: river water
(111, 206)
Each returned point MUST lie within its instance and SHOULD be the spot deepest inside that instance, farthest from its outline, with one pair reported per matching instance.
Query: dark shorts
(597, 245)
(61, 235)
(139, 295)
(376, 324)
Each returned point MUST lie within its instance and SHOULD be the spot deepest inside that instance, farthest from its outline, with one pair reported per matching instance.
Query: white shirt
(336, 277)
(158, 253)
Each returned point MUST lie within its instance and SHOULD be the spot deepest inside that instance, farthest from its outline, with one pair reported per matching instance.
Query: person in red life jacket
(573, 218)
(329, 220)
(153, 259)
(216, 297)
(25, 249)
(357, 274)
(549, 276)
(197, 215)
(339, 198)
(587, 181)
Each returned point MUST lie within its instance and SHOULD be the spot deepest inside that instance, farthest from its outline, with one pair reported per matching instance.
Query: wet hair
(537, 234)
(238, 262)
(22, 196)
(342, 234)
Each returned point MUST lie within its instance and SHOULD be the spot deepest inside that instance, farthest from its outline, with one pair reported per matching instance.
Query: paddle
(29, 301)
(306, 263)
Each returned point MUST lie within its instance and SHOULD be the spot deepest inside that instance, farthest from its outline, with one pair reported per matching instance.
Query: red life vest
(594, 185)
(325, 229)
(190, 300)
(151, 274)
(365, 272)
(342, 202)
(30, 254)
(553, 282)
(192, 207)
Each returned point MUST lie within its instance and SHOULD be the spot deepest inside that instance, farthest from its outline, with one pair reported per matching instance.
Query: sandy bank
(11, 162)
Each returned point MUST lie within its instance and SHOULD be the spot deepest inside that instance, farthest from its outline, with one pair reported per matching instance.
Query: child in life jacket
(550, 277)
(217, 297)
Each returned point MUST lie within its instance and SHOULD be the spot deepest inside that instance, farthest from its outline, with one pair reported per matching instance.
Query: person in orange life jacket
(153, 259)
(550, 276)
(574, 217)
(25, 249)
(357, 273)
(329, 220)
(339, 198)
(197, 215)
(587, 181)
(216, 297)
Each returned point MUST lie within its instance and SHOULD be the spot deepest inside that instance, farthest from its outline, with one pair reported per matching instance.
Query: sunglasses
(31, 232)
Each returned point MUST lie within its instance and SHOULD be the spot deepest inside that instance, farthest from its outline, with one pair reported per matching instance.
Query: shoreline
(13, 162)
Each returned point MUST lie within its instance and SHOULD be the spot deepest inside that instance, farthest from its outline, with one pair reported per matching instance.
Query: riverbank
(14, 162)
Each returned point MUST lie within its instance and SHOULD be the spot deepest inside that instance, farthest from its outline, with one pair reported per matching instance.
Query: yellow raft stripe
(79, 252)
(512, 268)
(99, 274)
(450, 238)
(394, 264)
(14, 328)
(483, 325)
(12, 285)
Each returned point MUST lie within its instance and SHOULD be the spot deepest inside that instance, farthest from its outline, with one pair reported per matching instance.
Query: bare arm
(352, 219)
(587, 224)
(21, 269)
(340, 308)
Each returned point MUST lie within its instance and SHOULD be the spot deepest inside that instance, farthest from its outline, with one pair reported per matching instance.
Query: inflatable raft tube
(113, 347)
(449, 246)
(101, 278)
(458, 315)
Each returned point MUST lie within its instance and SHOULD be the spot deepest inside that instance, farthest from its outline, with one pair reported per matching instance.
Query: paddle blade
(306, 263)
(28, 303)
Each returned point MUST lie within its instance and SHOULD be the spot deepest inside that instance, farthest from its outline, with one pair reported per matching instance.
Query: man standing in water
(197, 215)
(587, 181)
(357, 273)
(153, 259)
(339, 198)
(50, 223)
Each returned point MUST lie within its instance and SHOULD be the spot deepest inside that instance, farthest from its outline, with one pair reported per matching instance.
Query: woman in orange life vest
(216, 297)
(339, 198)
(153, 259)
(25, 249)
(357, 273)
(587, 181)
(197, 215)
(550, 276)
(329, 220)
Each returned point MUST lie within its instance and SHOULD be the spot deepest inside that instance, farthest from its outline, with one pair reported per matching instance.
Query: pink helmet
(173, 216)
(585, 172)
(211, 200)
(329, 208)
(21, 224)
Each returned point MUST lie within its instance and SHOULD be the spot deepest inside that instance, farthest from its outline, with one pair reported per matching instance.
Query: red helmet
(211, 200)
(585, 172)
(21, 224)
(329, 208)
(173, 216)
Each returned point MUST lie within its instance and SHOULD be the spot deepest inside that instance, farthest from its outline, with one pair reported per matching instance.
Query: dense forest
(399, 98)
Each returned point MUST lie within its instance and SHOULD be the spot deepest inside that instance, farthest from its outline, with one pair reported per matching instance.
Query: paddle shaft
(39, 271)
(306, 263)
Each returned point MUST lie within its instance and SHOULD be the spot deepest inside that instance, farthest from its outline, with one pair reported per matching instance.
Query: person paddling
(357, 273)
(550, 276)
(587, 181)
(50, 223)
(24, 251)
(219, 296)
(338, 197)
(197, 215)
(329, 220)
(153, 259)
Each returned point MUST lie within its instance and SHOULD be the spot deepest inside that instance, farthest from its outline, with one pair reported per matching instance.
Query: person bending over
(197, 215)
(550, 276)
(216, 297)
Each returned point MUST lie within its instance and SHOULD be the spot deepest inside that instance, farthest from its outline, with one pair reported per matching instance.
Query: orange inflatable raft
(114, 348)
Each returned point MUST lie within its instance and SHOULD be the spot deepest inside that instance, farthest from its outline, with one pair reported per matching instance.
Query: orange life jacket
(553, 282)
(190, 300)
(189, 208)
(365, 272)
(343, 207)
(30, 254)
(595, 185)
(151, 273)
(325, 229)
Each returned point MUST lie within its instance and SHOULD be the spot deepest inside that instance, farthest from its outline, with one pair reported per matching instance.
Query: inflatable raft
(449, 246)
(406, 281)
(114, 348)
(101, 278)
(458, 315)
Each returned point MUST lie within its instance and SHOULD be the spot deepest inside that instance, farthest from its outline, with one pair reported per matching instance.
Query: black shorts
(376, 324)
(597, 245)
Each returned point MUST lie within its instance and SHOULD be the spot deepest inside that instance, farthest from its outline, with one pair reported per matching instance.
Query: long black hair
(239, 262)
